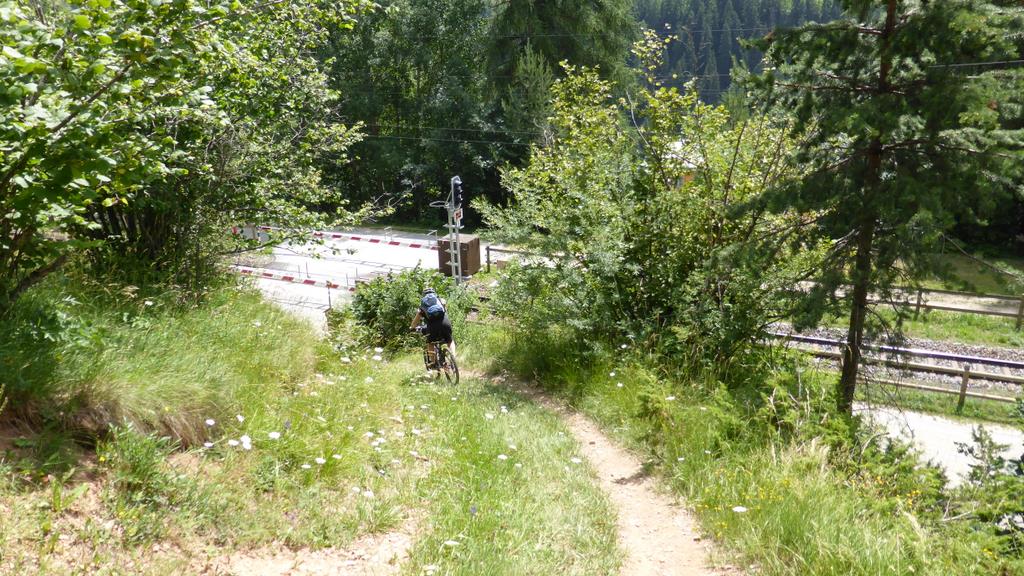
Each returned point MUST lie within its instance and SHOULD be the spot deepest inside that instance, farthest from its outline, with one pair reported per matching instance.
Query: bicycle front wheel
(448, 366)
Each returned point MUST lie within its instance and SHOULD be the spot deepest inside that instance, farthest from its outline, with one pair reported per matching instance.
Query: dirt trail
(658, 535)
(371, 555)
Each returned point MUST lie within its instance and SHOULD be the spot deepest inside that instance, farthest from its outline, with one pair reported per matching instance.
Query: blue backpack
(432, 307)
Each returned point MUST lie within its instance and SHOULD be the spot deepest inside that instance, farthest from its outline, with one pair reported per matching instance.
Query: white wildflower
(611, 374)
(274, 435)
(257, 323)
(232, 442)
(210, 421)
(624, 346)
(346, 360)
(618, 384)
(416, 432)
(518, 465)
(451, 543)
(377, 358)
(739, 509)
(502, 457)
(240, 418)
(336, 456)
(489, 416)
(368, 380)
(321, 461)
(368, 494)
(378, 349)
(575, 460)
(207, 444)
(504, 410)
(148, 303)
(305, 466)
(670, 398)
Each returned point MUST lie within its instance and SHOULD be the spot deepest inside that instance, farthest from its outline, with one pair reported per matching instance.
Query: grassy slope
(799, 515)
(950, 327)
(436, 471)
(968, 274)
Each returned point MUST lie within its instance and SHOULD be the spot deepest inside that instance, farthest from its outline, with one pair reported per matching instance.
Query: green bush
(385, 307)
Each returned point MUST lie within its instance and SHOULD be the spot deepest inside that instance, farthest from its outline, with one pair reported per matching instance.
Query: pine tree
(709, 79)
(896, 140)
(593, 34)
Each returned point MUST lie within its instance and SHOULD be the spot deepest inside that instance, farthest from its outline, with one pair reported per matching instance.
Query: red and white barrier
(259, 273)
(346, 236)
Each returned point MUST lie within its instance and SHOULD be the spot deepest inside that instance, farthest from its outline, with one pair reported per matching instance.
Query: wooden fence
(898, 358)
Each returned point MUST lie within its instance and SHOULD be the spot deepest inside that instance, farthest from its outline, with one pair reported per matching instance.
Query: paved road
(340, 261)
(936, 437)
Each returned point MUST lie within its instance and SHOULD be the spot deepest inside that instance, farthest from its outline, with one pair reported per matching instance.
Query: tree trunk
(858, 314)
(866, 230)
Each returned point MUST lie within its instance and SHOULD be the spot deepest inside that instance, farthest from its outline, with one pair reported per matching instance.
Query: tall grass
(771, 473)
(81, 356)
(308, 444)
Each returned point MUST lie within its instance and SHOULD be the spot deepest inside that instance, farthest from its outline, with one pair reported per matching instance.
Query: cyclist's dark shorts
(440, 330)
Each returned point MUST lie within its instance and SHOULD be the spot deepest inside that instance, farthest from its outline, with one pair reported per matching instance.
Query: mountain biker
(433, 311)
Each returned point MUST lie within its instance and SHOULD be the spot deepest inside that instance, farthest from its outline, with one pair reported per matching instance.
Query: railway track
(986, 377)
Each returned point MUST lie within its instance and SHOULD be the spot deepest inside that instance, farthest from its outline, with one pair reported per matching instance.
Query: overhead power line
(452, 140)
(969, 64)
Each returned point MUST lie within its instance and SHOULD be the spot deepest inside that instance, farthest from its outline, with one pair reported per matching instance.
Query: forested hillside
(447, 86)
(709, 33)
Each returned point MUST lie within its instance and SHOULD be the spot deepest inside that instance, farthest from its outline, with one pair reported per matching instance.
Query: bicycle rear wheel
(448, 366)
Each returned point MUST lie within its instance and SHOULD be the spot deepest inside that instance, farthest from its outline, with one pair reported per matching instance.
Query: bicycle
(444, 361)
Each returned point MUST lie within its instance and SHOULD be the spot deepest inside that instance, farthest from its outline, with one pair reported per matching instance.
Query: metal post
(489, 259)
(453, 249)
(964, 380)
(1020, 313)
(454, 224)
